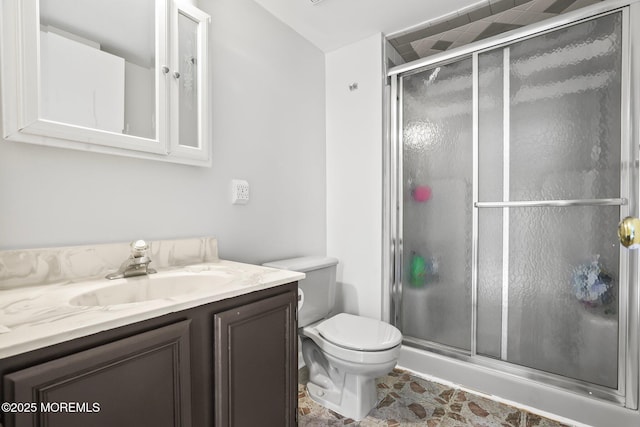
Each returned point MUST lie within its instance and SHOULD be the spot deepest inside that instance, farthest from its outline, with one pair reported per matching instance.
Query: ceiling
(498, 17)
(331, 24)
(415, 28)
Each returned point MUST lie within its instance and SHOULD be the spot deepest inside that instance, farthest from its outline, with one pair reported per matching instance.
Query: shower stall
(511, 163)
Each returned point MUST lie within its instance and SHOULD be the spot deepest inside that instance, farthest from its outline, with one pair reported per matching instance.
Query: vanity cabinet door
(255, 355)
(140, 381)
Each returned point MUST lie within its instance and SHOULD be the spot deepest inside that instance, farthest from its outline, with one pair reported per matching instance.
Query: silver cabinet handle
(165, 69)
(176, 74)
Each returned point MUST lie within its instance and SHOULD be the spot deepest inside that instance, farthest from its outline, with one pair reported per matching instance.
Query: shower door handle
(629, 232)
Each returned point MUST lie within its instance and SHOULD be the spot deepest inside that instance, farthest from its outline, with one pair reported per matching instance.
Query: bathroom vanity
(224, 358)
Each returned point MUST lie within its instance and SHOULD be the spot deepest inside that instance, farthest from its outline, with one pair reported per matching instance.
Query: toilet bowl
(345, 353)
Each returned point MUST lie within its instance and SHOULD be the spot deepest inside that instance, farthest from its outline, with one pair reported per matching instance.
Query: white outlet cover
(239, 192)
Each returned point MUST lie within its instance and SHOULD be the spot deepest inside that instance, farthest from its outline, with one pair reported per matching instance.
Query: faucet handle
(138, 248)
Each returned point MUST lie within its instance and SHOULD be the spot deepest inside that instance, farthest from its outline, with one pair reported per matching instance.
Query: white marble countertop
(33, 317)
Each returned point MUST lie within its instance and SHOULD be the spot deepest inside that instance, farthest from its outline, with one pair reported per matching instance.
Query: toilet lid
(359, 333)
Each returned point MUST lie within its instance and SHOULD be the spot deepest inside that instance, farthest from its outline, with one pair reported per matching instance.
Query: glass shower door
(549, 141)
(512, 185)
(437, 204)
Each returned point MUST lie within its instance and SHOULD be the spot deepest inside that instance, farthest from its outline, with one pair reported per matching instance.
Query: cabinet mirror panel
(188, 83)
(97, 65)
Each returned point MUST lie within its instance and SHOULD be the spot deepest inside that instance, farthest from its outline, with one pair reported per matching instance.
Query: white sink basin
(153, 287)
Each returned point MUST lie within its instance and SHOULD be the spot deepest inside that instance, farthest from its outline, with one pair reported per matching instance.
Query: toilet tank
(318, 288)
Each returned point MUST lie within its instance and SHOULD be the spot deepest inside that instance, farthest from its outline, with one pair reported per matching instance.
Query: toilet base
(358, 397)
(345, 387)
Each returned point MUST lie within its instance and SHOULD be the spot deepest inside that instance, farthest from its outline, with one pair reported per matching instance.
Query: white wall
(139, 100)
(354, 173)
(268, 127)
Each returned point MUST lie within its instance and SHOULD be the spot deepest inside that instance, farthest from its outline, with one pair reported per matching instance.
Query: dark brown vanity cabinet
(255, 370)
(143, 380)
(229, 363)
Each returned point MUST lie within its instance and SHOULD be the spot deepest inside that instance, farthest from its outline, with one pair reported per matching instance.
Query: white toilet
(344, 353)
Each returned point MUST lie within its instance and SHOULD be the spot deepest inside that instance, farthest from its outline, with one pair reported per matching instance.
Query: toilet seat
(350, 354)
(359, 333)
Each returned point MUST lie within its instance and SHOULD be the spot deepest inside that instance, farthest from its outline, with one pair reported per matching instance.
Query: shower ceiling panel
(495, 18)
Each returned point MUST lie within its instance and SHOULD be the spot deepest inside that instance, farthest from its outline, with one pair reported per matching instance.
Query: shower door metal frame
(626, 393)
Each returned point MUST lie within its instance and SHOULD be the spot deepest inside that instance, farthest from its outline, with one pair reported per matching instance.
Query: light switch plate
(239, 192)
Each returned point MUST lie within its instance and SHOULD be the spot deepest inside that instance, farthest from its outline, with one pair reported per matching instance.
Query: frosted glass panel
(188, 82)
(490, 124)
(563, 291)
(490, 159)
(548, 277)
(490, 282)
(437, 203)
(565, 113)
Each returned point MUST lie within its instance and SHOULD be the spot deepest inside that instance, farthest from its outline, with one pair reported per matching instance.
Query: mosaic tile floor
(406, 400)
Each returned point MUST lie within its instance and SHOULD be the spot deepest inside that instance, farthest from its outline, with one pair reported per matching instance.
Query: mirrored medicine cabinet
(118, 77)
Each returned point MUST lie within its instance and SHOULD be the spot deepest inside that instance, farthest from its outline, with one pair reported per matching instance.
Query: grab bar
(552, 203)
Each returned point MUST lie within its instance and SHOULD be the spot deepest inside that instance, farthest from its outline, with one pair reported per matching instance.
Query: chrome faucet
(137, 264)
